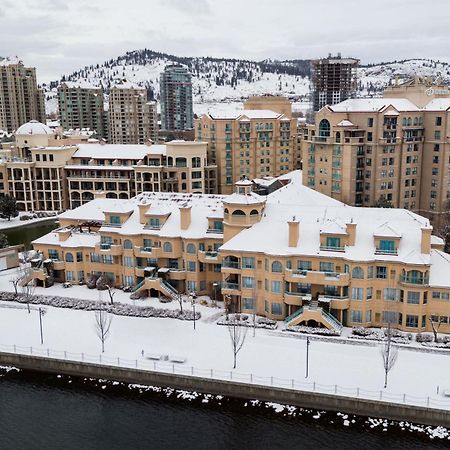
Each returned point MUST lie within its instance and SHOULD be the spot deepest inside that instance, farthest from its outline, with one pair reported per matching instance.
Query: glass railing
(332, 249)
(231, 264)
(227, 285)
(386, 251)
(413, 280)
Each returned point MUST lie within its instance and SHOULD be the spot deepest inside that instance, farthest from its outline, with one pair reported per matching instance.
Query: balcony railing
(414, 280)
(231, 264)
(325, 248)
(381, 251)
(232, 286)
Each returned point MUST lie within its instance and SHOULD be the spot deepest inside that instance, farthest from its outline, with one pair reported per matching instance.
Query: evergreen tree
(8, 207)
(3, 241)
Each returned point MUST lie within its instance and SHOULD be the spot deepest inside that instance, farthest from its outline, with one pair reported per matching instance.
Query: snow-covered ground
(268, 354)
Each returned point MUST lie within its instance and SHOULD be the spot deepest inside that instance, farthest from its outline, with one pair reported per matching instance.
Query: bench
(177, 359)
(152, 356)
(446, 392)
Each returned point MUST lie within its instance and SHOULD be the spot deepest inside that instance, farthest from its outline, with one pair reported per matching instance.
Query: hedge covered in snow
(313, 330)
(378, 335)
(119, 309)
(247, 321)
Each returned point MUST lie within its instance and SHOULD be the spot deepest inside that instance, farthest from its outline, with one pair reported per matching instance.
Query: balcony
(421, 281)
(323, 139)
(231, 266)
(317, 277)
(211, 257)
(325, 248)
(335, 301)
(58, 265)
(228, 286)
(296, 298)
(381, 251)
(177, 274)
(147, 252)
(215, 230)
(107, 248)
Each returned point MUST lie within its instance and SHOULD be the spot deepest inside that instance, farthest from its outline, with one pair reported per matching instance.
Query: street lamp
(307, 356)
(42, 312)
(192, 297)
(215, 293)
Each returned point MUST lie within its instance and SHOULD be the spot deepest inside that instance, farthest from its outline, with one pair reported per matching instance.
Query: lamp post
(41, 311)
(307, 356)
(192, 297)
(215, 293)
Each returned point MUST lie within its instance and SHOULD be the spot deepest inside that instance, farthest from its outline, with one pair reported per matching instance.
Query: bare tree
(389, 353)
(238, 334)
(435, 327)
(111, 293)
(227, 305)
(179, 299)
(102, 325)
(16, 279)
(28, 291)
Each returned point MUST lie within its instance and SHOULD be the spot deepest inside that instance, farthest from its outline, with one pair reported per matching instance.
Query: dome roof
(33, 127)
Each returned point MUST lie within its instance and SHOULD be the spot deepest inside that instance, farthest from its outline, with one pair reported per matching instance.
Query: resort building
(20, 98)
(132, 117)
(81, 107)
(395, 148)
(176, 99)
(45, 172)
(295, 255)
(253, 142)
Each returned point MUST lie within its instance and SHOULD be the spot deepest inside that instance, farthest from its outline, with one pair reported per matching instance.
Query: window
(53, 254)
(128, 280)
(277, 267)
(333, 242)
(358, 273)
(191, 266)
(79, 256)
(369, 293)
(248, 262)
(115, 220)
(390, 317)
(70, 275)
(154, 222)
(276, 287)
(413, 297)
(190, 248)
(370, 272)
(128, 261)
(412, 321)
(167, 247)
(277, 309)
(369, 315)
(370, 122)
(69, 257)
(391, 294)
(381, 272)
(266, 306)
(247, 282)
(356, 316)
(357, 293)
(326, 267)
(438, 121)
(248, 303)
(127, 244)
(387, 246)
(304, 265)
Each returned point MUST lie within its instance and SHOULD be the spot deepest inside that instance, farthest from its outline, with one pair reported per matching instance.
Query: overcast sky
(59, 36)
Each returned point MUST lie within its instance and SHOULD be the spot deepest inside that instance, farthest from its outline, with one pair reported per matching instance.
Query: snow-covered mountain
(217, 80)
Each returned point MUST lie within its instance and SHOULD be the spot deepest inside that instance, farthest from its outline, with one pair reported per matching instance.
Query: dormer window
(387, 246)
(115, 220)
(154, 222)
(387, 240)
(333, 242)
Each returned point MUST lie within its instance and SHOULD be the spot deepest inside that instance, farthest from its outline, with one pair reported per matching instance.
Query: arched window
(127, 244)
(358, 273)
(167, 247)
(69, 257)
(338, 136)
(238, 212)
(190, 248)
(254, 212)
(180, 162)
(409, 121)
(324, 128)
(196, 162)
(225, 210)
(416, 121)
(277, 267)
(404, 121)
(183, 175)
(111, 195)
(170, 161)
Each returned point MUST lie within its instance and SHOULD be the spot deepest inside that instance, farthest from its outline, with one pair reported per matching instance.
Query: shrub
(421, 337)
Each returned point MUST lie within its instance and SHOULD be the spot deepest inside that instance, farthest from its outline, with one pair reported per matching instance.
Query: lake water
(26, 233)
(45, 412)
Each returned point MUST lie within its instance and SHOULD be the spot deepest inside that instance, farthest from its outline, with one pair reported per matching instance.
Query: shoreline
(242, 390)
(7, 226)
(313, 416)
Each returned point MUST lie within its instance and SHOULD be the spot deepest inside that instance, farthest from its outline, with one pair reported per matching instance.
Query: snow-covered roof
(374, 104)
(386, 230)
(110, 151)
(128, 85)
(10, 60)
(33, 127)
(438, 104)
(334, 227)
(345, 123)
(82, 84)
(75, 239)
(244, 199)
(245, 114)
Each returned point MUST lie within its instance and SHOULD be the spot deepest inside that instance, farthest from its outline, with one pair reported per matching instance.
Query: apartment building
(327, 265)
(333, 80)
(176, 99)
(253, 142)
(394, 148)
(132, 117)
(20, 98)
(45, 172)
(81, 106)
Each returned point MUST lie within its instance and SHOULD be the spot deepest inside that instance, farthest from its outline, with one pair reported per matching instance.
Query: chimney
(143, 208)
(425, 244)
(185, 217)
(294, 227)
(351, 232)
(99, 194)
(64, 234)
